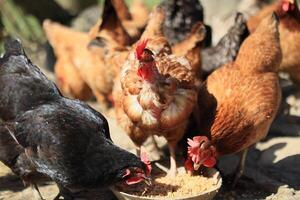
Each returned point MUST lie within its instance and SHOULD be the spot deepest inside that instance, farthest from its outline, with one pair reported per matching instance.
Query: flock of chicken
(161, 76)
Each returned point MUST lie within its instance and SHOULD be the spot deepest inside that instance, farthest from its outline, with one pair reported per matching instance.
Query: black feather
(63, 139)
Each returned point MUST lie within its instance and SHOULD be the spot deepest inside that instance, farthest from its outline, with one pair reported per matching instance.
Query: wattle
(144, 73)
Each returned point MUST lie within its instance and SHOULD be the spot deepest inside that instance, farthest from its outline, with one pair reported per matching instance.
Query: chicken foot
(240, 167)
(36, 192)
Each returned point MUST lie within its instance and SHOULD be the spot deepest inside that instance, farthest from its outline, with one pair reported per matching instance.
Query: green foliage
(149, 3)
(18, 24)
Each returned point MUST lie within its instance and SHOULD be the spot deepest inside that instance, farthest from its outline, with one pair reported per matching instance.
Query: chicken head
(201, 152)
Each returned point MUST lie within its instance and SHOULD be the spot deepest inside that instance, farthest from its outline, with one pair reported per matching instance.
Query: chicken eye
(147, 56)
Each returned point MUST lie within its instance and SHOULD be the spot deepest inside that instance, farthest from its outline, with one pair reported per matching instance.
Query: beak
(197, 166)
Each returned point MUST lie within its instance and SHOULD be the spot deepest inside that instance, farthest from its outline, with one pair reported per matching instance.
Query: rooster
(44, 133)
(239, 101)
(156, 90)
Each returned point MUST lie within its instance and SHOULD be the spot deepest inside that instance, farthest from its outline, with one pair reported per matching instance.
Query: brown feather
(239, 101)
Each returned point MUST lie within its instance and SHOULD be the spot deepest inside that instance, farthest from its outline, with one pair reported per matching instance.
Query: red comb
(287, 5)
(140, 48)
(195, 143)
(205, 155)
(146, 161)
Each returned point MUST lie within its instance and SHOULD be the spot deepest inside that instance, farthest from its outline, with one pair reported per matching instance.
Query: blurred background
(23, 19)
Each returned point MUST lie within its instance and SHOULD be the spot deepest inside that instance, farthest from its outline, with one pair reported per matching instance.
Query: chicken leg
(63, 194)
(240, 167)
(157, 152)
(173, 167)
(138, 150)
(36, 192)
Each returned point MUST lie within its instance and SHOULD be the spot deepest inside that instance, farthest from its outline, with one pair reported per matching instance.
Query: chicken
(254, 21)
(99, 59)
(134, 21)
(42, 132)
(181, 16)
(239, 101)
(105, 55)
(110, 26)
(67, 45)
(156, 90)
(226, 49)
(289, 29)
(191, 46)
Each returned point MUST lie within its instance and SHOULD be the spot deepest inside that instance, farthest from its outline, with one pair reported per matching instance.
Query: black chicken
(181, 16)
(41, 132)
(226, 49)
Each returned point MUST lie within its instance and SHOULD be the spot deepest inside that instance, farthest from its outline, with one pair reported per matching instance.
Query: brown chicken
(191, 46)
(239, 101)
(134, 21)
(98, 58)
(105, 54)
(289, 29)
(67, 45)
(156, 91)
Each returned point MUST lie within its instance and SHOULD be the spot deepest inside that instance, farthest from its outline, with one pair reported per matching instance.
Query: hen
(68, 45)
(156, 91)
(289, 29)
(133, 20)
(191, 46)
(98, 59)
(105, 54)
(239, 101)
(41, 132)
(226, 49)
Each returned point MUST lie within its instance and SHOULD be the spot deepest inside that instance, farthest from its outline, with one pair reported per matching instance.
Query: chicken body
(289, 29)
(239, 101)
(133, 20)
(41, 132)
(68, 45)
(156, 91)
(191, 46)
(99, 58)
(226, 49)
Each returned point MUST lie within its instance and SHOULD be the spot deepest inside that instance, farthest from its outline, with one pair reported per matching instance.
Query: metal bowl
(207, 195)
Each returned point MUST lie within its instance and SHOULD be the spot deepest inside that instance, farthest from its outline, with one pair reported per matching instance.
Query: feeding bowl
(208, 194)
